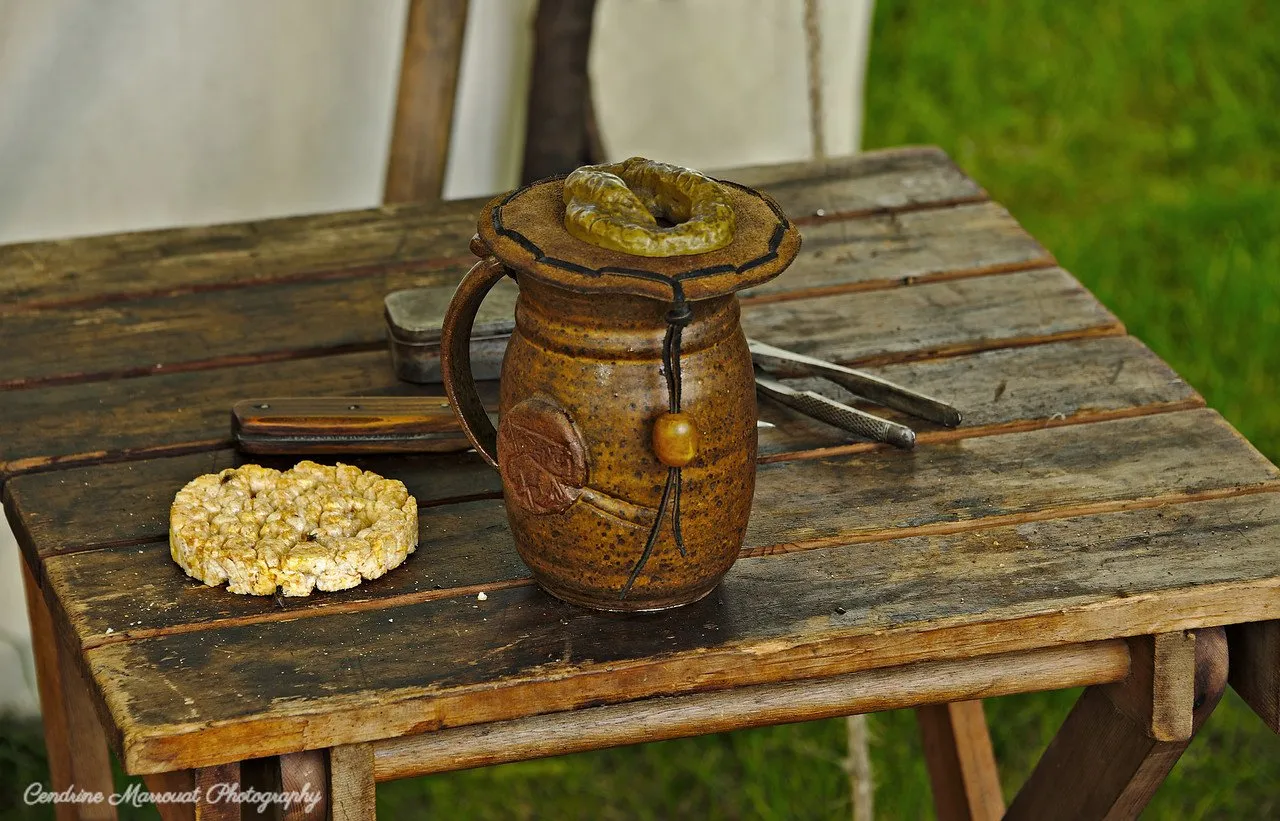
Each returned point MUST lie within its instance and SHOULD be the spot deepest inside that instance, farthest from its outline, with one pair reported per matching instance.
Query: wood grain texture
(342, 245)
(1157, 695)
(351, 786)
(57, 730)
(465, 548)
(176, 781)
(138, 509)
(90, 757)
(891, 249)
(200, 331)
(943, 318)
(300, 779)
(355, 424)
(305, 773)
(1003, 390)
(1255, 668)
(779, 618)
(136, 590)
(1102, 764)
(93, 270)
(424, 102)
(210, 782)
(659, 719)
(961, 763)
(1009, 389)
(900, 179)
(176, 412)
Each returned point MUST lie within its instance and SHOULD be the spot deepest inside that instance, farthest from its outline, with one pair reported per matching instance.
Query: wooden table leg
(1255, 668)
(351, 788)
(73, 735)
(962, 766)
(178, 781)
(209, 782)
(303, 774)
(1108, 758)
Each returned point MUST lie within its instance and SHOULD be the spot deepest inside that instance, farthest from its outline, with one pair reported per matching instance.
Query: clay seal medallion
(541, 456)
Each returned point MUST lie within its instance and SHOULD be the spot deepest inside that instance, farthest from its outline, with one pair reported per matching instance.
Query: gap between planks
(1029, 260)
(659, 718)
(936, 437)
(428, 263)
(465, 260)
(317, 275)
(889, 534)
(923, 438)
(888, 210)
(903, 282)
(193, 365)
(39, 464)
(865, 286)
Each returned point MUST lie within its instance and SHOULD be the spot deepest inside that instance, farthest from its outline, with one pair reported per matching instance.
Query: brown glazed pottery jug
(627, 416)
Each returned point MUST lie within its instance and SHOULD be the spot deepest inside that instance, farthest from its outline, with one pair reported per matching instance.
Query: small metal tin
(414, 317)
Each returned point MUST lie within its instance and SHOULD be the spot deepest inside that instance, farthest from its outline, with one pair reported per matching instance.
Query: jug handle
(455, 356)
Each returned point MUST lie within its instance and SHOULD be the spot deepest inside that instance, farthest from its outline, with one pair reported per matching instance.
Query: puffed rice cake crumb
(312, 526)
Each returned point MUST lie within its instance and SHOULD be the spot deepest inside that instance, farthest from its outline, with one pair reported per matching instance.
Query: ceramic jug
(626, 440)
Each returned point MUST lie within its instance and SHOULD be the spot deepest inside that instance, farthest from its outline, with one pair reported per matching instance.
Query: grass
(1139, 142)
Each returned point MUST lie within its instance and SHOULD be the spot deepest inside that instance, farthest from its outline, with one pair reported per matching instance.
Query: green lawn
(1140, 142)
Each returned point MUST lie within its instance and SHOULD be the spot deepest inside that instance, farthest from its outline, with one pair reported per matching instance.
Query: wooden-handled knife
(347, 424)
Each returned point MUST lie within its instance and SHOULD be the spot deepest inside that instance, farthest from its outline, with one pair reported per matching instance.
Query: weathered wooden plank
(168, 412)
(117, 594)
(1011, 388)
(658, 719)
(424, 101)
(174, 782)
(962, 765)
(52, 426)
(1008, 388)
(1255, 668)
(811, 502)
(124, 504)
(464, 549)
(90, 756)
(76, 744)
(184, 699)
(1157, 694)
(1103, 763)
(895, 249)
(899, 179)
(105, 268)
(357, 243)
(304, 773)
(952, 317)
(352, 792)
(211, 785)
(195, 331)
(61, 425)
(280, 321)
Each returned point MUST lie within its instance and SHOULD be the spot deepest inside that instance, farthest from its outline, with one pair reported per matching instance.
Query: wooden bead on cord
(675, 439)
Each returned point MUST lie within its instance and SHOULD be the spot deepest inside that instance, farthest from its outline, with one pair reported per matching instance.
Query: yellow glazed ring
(618, 205)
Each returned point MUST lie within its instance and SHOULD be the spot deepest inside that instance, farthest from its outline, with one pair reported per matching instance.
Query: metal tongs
(770, 359)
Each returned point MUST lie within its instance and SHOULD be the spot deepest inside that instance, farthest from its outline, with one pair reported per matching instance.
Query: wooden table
(1091, 523)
